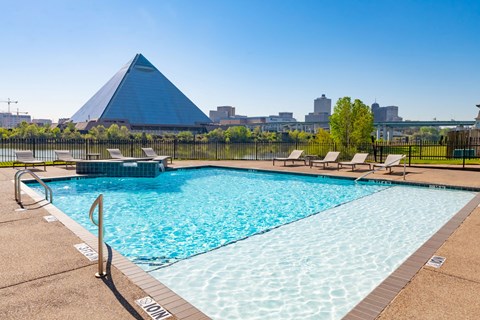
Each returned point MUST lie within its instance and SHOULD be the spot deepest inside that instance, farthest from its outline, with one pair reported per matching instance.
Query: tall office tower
(322, 110)
(377, 114)
(322, 105)
(385, 114)
(391, 114)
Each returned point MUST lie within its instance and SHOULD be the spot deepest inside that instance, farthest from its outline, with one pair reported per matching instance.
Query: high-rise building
(322, 105)
(322, 110)
(385, 114)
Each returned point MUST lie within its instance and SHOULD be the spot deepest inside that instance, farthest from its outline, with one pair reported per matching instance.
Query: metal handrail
(99, 201)
(386, 165)
(18, 193)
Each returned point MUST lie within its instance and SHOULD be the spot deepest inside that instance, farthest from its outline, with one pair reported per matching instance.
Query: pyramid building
(142, 98)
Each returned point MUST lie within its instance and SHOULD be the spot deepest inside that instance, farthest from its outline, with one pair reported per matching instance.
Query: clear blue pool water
(156, 221)
(329, 241)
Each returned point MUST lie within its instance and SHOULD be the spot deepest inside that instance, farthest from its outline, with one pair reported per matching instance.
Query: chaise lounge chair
(358, 158)
(116, 154)
(392, 160)
(65, 156)
(330, 157)
(26, 157)
(149, 152)
(294, 156)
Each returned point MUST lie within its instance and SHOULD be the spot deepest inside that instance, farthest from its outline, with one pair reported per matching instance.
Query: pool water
(158, 221)
(329, 241)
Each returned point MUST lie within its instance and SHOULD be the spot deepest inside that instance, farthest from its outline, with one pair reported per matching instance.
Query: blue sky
(261, 57)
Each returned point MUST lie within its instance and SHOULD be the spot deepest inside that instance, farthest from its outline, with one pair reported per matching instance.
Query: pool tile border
(168, 299)
(375, 302)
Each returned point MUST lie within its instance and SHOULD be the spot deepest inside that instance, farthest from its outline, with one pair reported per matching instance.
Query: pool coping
(368, 308)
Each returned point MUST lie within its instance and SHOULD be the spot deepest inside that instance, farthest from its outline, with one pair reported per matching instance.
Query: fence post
(464, 151)
(194, 149)
(174, 148)
(216, 150)
(33, 147)
(256, 151)
(381, 153)
(131, 148)
(409, 155)
(421, 143)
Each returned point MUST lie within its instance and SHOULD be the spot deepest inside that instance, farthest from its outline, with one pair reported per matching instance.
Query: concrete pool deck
(42, 277)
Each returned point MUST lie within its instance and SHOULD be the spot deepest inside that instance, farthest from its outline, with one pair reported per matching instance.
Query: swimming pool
(336, 242)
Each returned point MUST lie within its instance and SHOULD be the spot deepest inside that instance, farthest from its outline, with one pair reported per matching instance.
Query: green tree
(185, 136)
(142, 136)
(5, 133)
(56, 133)
(351, 123)
(427, 133)
(323, 136)
(237, 134)
(97, 132)
(115, 132)
(216, 135)
(299, 136)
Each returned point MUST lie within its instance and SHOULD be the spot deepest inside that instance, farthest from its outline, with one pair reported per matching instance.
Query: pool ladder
(18, 192)
(386, 165)
(99, 202)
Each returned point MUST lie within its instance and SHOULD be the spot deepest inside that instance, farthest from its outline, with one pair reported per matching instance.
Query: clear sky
(260, 56)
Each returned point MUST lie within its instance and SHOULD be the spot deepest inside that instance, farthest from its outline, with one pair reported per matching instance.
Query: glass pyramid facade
(141, 95)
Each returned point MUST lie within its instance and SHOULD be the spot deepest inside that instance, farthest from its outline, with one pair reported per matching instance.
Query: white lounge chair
(330, 157)
(26, 157)
(117, 155)
(392, 160)
(358, 158)
(149, 152)
(65, 156)
(294, 156)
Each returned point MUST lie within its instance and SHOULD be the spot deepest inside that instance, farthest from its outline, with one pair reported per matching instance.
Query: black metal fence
(43, 149)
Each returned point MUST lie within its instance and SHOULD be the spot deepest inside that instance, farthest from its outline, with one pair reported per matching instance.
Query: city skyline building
(10, 120)
(385, 114)
(222, 112)
(322, 110)
(282, 117)
(225, 115)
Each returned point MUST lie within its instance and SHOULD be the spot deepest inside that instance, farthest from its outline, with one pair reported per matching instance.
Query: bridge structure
(385, 129)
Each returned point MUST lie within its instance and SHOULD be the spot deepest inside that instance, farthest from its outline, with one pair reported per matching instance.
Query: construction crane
(21, 112)
(8, 101)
